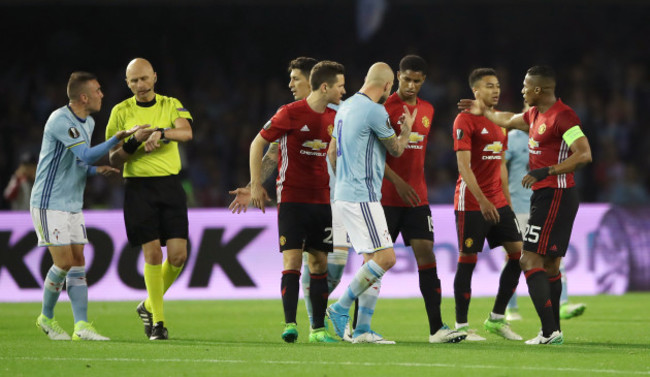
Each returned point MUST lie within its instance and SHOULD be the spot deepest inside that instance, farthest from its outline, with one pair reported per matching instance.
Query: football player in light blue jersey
(517, 163)
(363, 134)
(57, 198)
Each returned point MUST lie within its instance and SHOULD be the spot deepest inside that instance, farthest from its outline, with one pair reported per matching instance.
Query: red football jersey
(487, 142)
(303, 136)
(545, 144)
(410, 165)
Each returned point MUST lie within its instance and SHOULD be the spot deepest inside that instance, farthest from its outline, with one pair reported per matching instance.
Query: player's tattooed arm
(396, 145)
(269, 162)
(393, 146)
(243, 194)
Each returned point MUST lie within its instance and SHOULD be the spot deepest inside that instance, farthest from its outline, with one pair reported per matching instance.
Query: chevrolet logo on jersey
(495, 147)
(532, 145)
(415, 137)
(315, 145)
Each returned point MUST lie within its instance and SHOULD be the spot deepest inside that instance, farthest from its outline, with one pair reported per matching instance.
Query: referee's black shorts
(155, 208)
(552, 212)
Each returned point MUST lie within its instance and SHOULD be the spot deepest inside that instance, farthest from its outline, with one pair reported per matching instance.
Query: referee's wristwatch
(162, 133)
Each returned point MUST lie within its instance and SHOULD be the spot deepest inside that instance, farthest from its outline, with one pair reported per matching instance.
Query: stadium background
(226, 61)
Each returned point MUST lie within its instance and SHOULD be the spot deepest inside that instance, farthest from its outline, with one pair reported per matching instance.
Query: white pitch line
(184, 343)
(348, 363)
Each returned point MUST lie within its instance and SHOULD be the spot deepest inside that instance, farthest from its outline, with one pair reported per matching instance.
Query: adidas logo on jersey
(304, 128)
(484, 131)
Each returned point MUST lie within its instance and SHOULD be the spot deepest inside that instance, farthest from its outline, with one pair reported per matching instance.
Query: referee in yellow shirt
(155, 205)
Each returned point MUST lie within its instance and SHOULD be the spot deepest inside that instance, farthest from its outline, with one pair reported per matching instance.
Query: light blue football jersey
(329, 166)
(517, 162)
(60, 175)
(359, 125)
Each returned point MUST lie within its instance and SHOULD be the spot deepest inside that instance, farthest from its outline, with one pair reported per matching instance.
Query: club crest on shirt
(73, 132)
(459, 134)
(541, 129)
(426, 122)
(267, 125)
(330, 129)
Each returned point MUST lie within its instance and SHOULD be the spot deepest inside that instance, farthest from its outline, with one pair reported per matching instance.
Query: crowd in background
(231, 75)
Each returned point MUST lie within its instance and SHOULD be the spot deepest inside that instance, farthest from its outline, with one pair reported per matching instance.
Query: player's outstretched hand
(259, 197)
(471, 105)
(120, 135)
(106, 170)
(241, 201)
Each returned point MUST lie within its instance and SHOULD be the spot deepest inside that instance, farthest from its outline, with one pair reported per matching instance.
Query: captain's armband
(573, 134)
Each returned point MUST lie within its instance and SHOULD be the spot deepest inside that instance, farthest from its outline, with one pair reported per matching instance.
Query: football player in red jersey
(303, 129)
(404, 192)
(482, 206)
(299, 69)
(557, 147)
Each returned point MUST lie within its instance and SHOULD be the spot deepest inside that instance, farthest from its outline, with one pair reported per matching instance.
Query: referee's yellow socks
(169, 275)
(153, 279)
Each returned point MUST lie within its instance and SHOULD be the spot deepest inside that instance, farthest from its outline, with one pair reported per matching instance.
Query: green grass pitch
(242, 338)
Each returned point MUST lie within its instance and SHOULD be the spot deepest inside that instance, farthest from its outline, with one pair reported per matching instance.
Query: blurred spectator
(234, 78)
(19, 189)
(629, 191)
